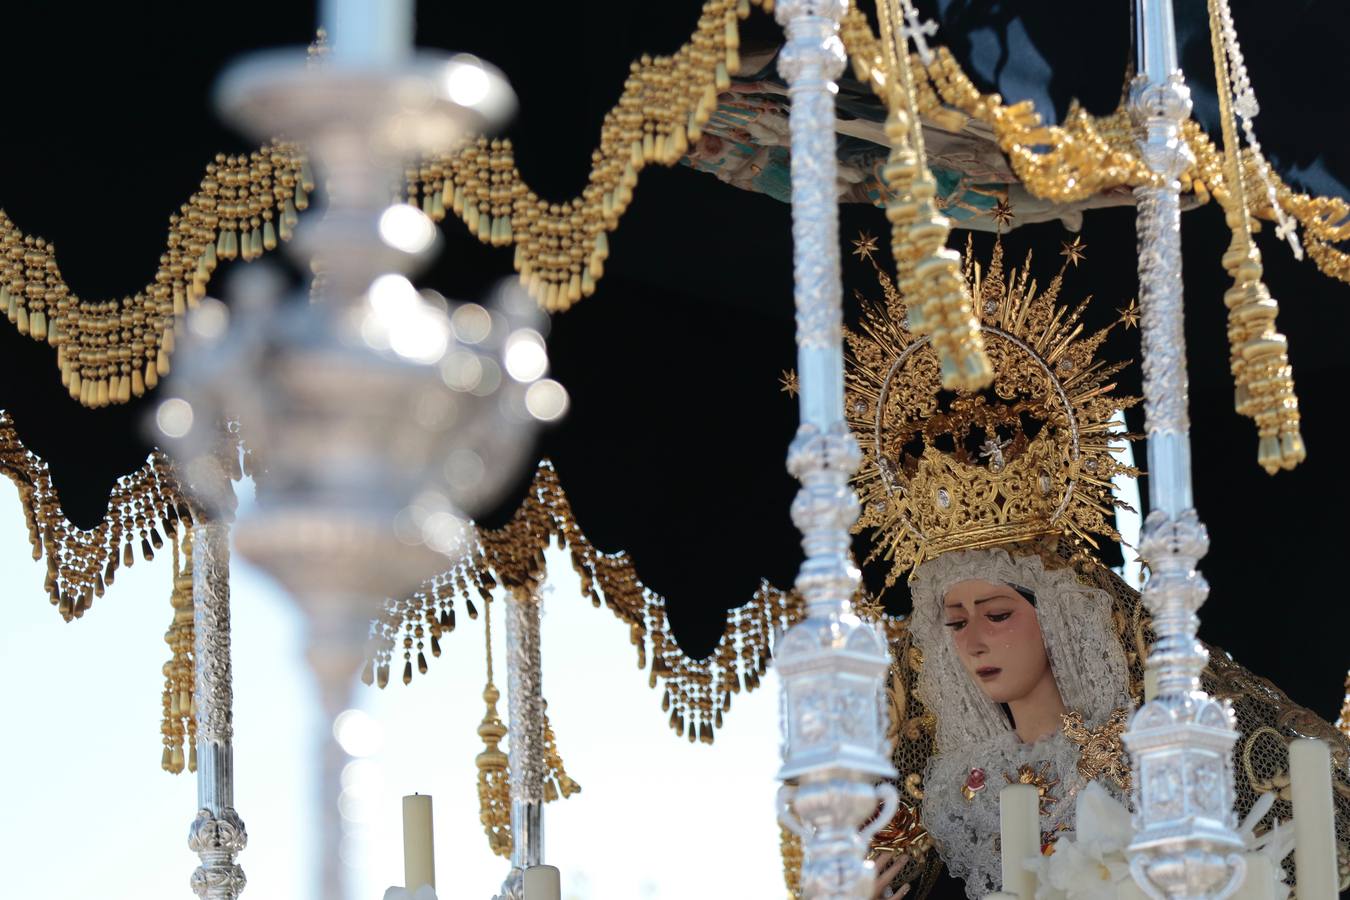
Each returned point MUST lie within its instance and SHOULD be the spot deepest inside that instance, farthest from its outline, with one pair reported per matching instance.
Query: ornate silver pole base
(525, 695)
(1181, 743)
(1186, 843)
(217, 834)
(832, 664)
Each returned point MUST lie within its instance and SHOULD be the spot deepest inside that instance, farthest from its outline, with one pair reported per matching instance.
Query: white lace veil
(1089, 666)
(1085, 655)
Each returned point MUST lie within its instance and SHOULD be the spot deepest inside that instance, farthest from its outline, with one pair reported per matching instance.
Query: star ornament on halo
(1129, 315)
(787, 382)
(1002, 213)
(864, 245)
(1074, 251)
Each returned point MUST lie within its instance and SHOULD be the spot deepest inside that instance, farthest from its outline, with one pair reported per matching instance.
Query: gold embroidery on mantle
(1038, 777)
(1101, 752)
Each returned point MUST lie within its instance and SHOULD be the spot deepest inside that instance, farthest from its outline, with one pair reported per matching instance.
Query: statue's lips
(985, 673)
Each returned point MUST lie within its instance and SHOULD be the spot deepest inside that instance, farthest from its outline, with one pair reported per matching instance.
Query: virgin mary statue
(1022, 660)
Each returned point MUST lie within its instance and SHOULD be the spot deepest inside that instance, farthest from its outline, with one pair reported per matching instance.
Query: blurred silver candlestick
(379, 416)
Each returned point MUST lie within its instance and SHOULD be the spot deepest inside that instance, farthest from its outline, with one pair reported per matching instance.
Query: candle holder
(1181, 741)
(359, 404)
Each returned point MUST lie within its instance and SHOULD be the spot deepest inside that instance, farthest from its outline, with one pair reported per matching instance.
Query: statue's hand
(888, 865)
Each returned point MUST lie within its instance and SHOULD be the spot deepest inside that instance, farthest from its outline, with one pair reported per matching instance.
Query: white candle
(1260, 881)
(419, 862)
(1314, 826)
(368, 32)
(1019, 812)
(542, 883)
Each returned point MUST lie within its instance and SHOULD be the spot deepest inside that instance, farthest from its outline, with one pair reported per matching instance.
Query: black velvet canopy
(674, 446)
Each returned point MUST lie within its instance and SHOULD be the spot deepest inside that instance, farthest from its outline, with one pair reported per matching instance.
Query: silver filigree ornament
(217, 835)
(217, 839)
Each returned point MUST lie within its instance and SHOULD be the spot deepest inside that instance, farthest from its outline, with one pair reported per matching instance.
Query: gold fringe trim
(1090, 154)
(146, 504)
(247, 204)
(560, 248)
(696, 692)
(109, 351)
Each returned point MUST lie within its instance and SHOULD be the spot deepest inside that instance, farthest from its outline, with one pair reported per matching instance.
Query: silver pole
(525, 700)
(1181, 742)
(832, 664)
(217, 834)
(524, 678)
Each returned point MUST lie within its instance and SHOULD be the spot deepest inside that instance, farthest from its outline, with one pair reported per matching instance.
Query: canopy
(674, 446)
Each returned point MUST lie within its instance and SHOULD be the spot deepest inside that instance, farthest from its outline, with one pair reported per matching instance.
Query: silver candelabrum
(381, 416)
(1186, 844)
(832, 664)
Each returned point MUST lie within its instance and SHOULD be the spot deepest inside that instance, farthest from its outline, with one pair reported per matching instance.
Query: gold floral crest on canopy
(1030, 456)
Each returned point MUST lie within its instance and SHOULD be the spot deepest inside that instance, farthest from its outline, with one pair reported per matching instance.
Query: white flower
(1102, 821)
(425, 892)
(1275, 844)
(1090, 864)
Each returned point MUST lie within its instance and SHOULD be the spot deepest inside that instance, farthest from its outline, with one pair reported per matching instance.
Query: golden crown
(1028, 457)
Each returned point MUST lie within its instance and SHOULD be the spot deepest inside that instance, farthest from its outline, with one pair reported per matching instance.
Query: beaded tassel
(179, 713)
(1259, 359)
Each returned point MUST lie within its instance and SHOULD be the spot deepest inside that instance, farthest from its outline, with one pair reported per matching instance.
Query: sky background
(87, 811)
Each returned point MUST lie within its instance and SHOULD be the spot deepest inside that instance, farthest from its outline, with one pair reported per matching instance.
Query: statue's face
(997, 637)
